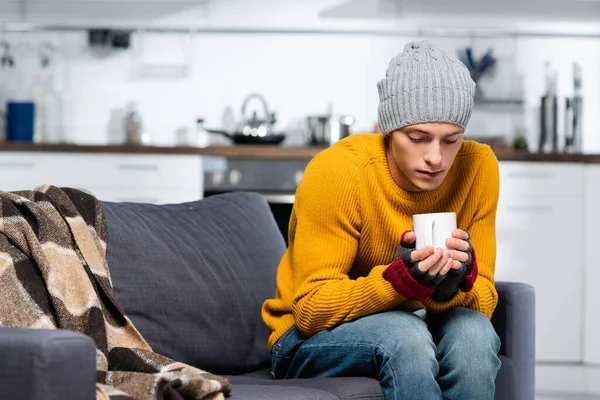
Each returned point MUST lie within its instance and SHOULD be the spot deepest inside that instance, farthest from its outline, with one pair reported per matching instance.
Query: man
(354, 297)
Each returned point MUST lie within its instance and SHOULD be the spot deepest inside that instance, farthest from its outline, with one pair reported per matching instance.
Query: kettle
(254, 129)
(255, 126)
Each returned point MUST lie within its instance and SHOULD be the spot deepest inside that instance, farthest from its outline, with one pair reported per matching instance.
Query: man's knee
(400, 338)
(470, 342)
(471, 329)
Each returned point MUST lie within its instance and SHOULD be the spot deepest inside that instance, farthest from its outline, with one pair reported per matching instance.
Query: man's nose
(433, 155)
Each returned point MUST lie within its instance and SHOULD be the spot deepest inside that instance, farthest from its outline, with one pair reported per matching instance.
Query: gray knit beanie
(423, 84)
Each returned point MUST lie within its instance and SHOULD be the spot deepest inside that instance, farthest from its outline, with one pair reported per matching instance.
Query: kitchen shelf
(24, 27)
(499, 101)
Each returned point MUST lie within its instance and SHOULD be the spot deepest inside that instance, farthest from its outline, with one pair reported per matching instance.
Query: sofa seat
(355, 388)
(253, 386)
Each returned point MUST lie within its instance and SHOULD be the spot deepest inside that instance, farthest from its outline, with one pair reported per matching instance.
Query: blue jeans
(453, 355)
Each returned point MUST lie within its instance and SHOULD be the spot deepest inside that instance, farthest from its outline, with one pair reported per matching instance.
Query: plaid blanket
(54, 275)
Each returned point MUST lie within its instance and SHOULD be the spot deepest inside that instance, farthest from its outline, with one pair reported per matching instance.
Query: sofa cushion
(261, 392)
(343, 388)
(192, 277)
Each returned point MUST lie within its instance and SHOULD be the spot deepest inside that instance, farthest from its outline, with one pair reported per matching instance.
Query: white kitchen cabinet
(523, 179)
(152, 195)
(592, 263)
(540, 242)
(112, 177)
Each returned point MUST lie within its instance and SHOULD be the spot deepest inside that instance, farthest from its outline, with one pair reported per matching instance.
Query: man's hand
(460, 248)
(430, 260)
(434, 272)
(462, 274)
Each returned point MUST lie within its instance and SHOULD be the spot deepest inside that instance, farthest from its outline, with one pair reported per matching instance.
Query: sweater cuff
(402, 281)
(471, 274)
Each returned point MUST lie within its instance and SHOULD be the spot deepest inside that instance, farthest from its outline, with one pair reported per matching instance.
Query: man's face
(420, 155)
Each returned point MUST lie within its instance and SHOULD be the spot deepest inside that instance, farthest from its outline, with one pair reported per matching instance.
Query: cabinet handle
(139, 167)
(17, 164)
(533, 209)
(535, 175)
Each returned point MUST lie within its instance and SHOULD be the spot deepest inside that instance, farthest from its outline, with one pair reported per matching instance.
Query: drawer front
(532, 178)
(27, 170)
(151, 170)
(19, 172)
(542, 214)
(158, 195)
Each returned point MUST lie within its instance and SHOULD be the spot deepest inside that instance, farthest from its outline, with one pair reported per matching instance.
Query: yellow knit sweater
(345, 227)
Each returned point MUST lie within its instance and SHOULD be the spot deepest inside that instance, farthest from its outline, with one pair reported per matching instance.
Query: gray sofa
(193, 277)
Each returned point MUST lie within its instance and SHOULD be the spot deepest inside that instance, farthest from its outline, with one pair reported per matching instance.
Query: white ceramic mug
(433, 229)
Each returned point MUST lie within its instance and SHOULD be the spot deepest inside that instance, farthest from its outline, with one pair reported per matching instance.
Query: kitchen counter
(237, 151)
(267, 151)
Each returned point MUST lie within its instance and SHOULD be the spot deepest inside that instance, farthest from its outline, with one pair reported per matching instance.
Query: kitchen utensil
(568, 125)
(325, 130)
(134, 134)
(487, 61)
(6, 59)
(577, 104)
(240, 138)
(549, 114)
(254, 130)
(182, 136)
(255, 126)
(2, 125)
(46, 52)
(202, 137)
(469, 53)
(477, 68)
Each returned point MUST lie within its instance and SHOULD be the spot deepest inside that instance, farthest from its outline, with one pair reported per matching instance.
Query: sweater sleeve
(483, 297)
(325, 229)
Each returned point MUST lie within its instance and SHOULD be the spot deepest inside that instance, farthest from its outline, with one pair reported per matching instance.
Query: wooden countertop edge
(238, 151)
(263, 152)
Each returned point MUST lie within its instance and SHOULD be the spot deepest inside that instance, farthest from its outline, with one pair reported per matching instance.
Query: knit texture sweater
(348, 217)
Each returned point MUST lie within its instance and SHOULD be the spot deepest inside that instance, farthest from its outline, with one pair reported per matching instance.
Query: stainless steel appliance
(574, 115)
(325, 130)
(276, 180)
(548, 141)
(254, 130)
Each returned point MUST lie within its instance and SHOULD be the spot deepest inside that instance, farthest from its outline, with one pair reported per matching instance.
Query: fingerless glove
(462, 278)
(405, 277)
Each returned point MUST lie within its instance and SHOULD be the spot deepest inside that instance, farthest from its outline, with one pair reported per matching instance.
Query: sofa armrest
(514, 321)
(38, 364)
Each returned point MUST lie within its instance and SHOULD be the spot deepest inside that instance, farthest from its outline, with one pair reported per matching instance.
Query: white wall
(298, 73)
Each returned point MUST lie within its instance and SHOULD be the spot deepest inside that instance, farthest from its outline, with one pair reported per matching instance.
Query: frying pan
(240, 138)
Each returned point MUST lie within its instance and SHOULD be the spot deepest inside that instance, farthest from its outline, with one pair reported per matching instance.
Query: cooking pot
(254, 130)
(325, 130)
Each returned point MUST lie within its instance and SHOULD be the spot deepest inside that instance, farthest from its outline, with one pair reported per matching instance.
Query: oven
(275, 180)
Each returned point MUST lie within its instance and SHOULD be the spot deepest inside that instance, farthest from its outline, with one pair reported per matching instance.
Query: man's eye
(451, 141)
(416, 140)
